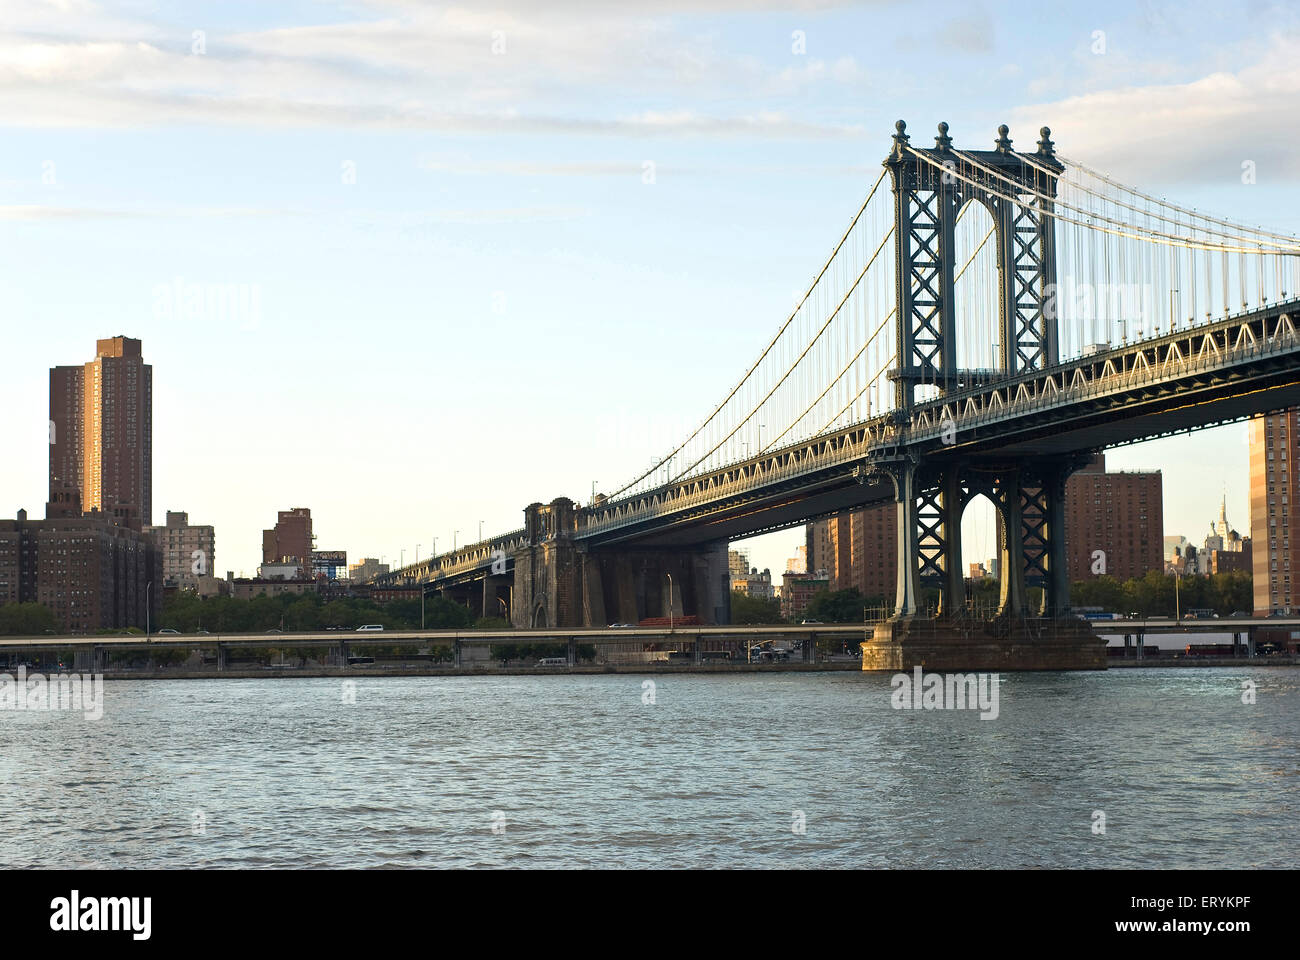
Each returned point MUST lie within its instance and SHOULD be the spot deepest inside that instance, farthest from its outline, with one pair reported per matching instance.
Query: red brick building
(797, 591)
(1121, 515)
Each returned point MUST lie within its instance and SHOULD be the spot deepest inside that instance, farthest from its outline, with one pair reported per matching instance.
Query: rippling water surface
(709, 775)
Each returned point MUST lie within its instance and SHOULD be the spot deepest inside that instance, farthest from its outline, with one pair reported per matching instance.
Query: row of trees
(1154, 594)
(188, 612)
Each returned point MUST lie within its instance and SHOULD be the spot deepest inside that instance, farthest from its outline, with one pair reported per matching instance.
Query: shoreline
(853, 666)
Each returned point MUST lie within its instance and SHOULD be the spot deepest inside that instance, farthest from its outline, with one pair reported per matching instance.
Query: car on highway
(169, 631)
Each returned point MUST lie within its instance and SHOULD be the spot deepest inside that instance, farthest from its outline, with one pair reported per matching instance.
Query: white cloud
(1201, 130)
(572, 70)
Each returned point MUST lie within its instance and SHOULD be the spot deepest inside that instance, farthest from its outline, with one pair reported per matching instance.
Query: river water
(582, 771)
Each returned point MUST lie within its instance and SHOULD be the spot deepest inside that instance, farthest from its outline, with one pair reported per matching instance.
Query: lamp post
(454, 535)
(480, 531)
(147, 590)
(670, 603)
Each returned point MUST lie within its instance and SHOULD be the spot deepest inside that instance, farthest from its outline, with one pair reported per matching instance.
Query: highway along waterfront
(1120, 768)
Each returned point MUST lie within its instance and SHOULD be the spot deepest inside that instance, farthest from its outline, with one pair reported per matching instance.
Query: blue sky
(465, 291)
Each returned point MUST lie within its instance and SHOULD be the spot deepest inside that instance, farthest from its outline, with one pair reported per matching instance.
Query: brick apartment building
(188, 550)
(290, 541)
(857, 549)
(1120, 514)
(91, 572)
(797, 591)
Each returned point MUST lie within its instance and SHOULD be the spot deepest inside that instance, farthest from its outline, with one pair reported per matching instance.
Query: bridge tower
(933, 486)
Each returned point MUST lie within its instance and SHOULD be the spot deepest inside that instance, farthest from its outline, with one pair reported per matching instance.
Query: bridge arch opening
(981, 526)
(539, 617)
(976, 288)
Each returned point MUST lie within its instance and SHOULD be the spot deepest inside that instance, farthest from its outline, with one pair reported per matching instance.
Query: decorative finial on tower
(943, 142)
(1045, 146)
(1003, 142)
(900, 140)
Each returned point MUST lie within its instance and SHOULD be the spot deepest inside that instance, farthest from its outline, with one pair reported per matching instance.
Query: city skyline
(447, 274)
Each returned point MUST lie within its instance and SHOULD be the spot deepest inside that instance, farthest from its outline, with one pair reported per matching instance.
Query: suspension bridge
(988, 320)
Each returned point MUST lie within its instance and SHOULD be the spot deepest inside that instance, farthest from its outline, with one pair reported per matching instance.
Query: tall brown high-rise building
(1273, 478)
(101, 436)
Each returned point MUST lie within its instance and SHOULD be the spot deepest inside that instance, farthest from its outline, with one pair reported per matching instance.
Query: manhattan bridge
(988, 321)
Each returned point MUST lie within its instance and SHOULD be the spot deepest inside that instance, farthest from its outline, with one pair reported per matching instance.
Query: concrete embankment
(359, 672)
(647, 669)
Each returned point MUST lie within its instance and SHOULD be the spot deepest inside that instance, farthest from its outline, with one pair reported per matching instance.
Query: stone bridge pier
(560, 582)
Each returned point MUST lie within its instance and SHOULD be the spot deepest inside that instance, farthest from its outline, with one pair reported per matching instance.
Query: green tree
(746, 609)
(842, 606)
(26, 619)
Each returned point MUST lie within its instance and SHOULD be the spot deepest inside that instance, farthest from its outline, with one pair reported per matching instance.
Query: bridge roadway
(764, 632)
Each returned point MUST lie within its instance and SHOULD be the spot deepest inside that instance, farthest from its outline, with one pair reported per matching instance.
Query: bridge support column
(953, 598)
(903, 473)
(572, 651)
(221, 657)
(1011, 559)
(593, 591)
(1056, 595)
